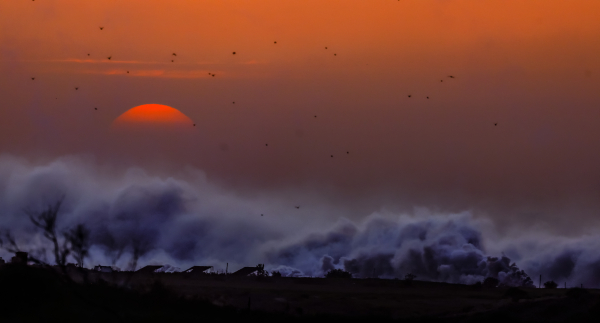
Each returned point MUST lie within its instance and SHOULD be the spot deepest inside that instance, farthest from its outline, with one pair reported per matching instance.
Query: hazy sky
(531, 67)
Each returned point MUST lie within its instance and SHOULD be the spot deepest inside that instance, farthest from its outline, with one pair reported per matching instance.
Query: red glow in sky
(514, 132)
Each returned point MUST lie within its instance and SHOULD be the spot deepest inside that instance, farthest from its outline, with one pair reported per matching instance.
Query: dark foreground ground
(34, 295)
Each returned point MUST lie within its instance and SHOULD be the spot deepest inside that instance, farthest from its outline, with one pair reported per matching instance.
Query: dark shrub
(338, 273)
(477, 286)
(516, 294)
(490, 282)
(550, 284)
(577, 292)
(408, 279)
(276, 274)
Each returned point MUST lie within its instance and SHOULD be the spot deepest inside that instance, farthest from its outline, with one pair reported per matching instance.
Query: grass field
(40, 294)
(356, 297)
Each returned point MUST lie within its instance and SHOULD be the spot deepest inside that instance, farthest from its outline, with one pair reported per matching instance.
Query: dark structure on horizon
(245, 271)
(148, 269)
(197, 269)
(20, 258)
(104, 269)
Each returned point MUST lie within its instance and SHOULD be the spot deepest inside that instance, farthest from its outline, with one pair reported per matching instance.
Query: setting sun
(153, 114)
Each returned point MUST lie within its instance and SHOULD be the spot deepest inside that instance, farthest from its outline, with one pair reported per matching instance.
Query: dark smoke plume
(449, 251)
(137, 219)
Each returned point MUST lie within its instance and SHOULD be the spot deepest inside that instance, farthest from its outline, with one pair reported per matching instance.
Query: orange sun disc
(152, 115)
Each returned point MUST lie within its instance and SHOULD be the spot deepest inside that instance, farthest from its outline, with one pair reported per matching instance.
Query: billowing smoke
(190, 221)
(447, 250)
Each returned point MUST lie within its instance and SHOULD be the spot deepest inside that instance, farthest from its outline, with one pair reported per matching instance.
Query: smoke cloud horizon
(187, 220)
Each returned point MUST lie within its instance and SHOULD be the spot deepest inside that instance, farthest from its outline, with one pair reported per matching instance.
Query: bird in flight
(428, 97)
(88, 54)
(233, 102)
(409, 95)
(33, 78)
(495, 124)
(441, 80)
(274, 42)
(266, 145)
(174, 54)
(76, 88)
(347, 152)
(213, 75)
(194, 124)
(101, 28)
(95, 108)
(172, 61)
(315, 116)
(297, 207)
(331, 156)
(233, 53)
(451, 76)
(334, 54)
(261, 215)
(109, 57)
(325, 47)
(127, 72)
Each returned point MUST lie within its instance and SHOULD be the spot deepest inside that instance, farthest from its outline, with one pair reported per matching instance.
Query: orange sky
(530, 66)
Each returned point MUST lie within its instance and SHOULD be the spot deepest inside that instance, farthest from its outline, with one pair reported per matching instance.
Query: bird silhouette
(331, 156)
(451, 76)
(261, 215)
(233, 102)
(88, 54)
(334, 54)
(266, 145)
(109, 57)
(174, 54)
(101, 28)
(409, 95)
(95, 108)
(297, 207)
(172, 61)
(233, 53)
(428, 97)
(347, 152)
(33, 78)
(495, 124)
(441, 80)
(325, 47)
(194, 124)
(315, 116)
(213, 75)
(208, 73)
(76, 88)
(127, 72)
(274, 42)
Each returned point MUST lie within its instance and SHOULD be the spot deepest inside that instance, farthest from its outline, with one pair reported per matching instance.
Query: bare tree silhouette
(10, 240)
(79, 240)
(46, 221)
(140, 246)
(114, 248)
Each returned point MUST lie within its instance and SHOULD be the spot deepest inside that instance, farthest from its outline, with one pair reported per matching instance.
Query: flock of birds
(234, 53)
